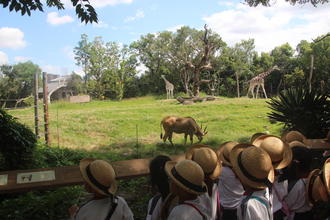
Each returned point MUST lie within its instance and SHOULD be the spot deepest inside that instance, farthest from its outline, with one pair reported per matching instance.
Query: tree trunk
(311, 73)
(237, 84)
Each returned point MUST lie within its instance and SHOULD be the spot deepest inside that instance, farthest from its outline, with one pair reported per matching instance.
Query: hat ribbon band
(251, 177)
(310, 187)
(226, 157)
(186, 183)
(95, 182)
(277, 161)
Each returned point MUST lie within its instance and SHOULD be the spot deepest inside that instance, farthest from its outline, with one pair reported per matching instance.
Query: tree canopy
(85, 12)
(254, 3)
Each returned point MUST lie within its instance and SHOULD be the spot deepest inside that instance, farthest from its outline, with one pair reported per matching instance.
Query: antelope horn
(201, 126)
(205, 129)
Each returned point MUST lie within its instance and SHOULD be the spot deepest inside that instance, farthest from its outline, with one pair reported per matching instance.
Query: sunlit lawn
(118, 126)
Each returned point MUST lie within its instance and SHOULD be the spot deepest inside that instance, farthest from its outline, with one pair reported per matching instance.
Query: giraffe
(169, 88)
(258, 81)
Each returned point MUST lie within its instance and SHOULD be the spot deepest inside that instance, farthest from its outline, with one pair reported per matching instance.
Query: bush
(17, 143)
(301, 110)
(40, 204)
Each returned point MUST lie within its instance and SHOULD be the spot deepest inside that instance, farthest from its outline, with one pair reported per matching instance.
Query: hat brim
(190, 151)
(222, 158)
(326, 175)
(297, 144)
(82, 165)
(287, 154)
(245, 180)
(287, 136)
(309, 188)
(168, 167)
(217, 170)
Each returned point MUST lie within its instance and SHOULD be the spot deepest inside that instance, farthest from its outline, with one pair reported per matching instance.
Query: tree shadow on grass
(244, 140)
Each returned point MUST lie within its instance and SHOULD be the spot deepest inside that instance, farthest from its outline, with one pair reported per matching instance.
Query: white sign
(32, 177)
(3, 179)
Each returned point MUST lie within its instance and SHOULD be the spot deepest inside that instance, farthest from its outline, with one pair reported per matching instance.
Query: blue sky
(48, 38)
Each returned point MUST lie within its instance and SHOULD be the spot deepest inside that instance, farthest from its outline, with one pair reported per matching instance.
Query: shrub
(17, 143)
(301, 110)
(40, 204)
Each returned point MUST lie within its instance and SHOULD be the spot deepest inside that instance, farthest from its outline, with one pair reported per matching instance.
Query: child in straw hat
(100, 180)
(254, 168)
(159, 182)
(209, 161)
(187, 183)
(229, 186)
(318, 185)
(281, 156)
(295, 179)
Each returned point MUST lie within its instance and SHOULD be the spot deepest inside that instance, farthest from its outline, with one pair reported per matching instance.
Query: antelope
(179, 125)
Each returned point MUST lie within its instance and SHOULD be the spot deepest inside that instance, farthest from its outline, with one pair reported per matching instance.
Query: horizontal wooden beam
(48, 178)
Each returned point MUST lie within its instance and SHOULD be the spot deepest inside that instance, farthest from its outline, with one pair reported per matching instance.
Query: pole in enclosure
(36, 118)
(45, 99)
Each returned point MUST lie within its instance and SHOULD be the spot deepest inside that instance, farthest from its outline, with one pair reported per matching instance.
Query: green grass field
(118, 126)
(130, 129)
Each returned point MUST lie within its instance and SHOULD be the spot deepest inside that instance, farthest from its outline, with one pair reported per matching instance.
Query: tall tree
(242, 57)
(194, 50)
(18, 79)
(85, 12)
(107, 66)
(153, 52)
(82, 53)
(283, 58)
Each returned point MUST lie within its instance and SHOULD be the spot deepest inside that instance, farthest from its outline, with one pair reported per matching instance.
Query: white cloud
(54, 19)
(68, 51)
(270, 26)
(226, 3)
(80, 72)
(59, 70)
(100, 24)
(3, 58)
(175, 28)
(11, 38)
(139, 14)
(20, 59)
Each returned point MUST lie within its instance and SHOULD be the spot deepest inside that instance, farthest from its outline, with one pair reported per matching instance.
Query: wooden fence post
(45, 92)
(36, 118)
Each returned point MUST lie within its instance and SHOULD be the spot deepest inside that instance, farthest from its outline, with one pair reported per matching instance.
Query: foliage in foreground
(301, 110)
(53, 204)
(17, 143)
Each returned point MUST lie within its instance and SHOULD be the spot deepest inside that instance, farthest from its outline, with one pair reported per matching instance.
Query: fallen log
(191, 100)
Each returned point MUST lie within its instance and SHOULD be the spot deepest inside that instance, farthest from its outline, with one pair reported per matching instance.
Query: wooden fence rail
(48, 178)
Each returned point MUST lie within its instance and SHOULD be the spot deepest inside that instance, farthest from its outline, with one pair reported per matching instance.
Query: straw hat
(326, 175)
(252, 165)
(99, 174)
(297, 144)
(293, 136)
(224, 151)
(279, 151)
(188, 175)
(315, 188)
(206, 158)
(255, 135)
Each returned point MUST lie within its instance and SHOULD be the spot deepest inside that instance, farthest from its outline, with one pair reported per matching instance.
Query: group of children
(265, 179)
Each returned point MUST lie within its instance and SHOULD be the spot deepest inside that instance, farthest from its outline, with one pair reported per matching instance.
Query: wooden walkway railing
(48, 178)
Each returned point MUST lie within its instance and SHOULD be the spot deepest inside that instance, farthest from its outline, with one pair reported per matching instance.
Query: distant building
(57, 87)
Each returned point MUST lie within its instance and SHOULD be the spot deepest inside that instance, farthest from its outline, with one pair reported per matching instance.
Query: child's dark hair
(303, 157)
(301, 163)
(158, 176)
